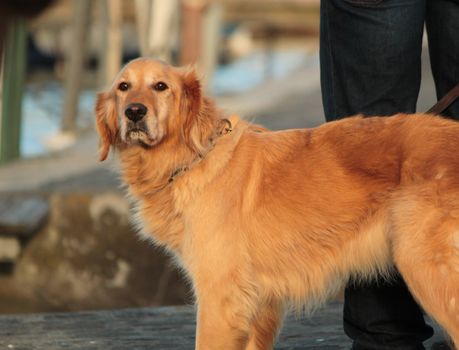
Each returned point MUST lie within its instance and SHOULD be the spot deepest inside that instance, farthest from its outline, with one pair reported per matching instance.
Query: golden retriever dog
(261, 220)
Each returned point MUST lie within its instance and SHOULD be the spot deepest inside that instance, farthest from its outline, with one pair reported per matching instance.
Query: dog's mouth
(139, 136)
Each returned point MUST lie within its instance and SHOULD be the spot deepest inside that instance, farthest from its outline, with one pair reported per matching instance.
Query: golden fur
(263, 220)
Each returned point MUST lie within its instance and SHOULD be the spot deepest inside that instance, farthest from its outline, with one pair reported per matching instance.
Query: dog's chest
(159, 220)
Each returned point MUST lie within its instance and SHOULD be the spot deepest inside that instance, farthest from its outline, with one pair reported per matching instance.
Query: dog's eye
(123, 86)
(160, 86)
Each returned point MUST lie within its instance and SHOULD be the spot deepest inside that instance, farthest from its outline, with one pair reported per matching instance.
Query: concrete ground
(158, 328)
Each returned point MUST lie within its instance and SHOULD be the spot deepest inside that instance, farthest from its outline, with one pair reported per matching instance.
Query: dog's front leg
(265, 325)
(223, 322)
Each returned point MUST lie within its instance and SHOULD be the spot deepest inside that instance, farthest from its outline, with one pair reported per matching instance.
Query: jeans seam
(330, 59)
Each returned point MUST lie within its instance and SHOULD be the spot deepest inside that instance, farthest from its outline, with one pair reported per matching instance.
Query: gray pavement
(156, 328)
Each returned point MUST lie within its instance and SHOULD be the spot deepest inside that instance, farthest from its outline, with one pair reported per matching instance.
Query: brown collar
(224, 127)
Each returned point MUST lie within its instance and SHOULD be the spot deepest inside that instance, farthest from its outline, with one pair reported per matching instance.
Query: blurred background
(66, 242)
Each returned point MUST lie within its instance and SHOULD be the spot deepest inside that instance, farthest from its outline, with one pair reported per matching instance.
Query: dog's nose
(135, 111)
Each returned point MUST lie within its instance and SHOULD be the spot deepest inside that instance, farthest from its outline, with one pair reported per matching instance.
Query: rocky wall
(88, 256)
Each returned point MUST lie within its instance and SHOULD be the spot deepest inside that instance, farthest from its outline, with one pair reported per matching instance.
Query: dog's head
(148, 102)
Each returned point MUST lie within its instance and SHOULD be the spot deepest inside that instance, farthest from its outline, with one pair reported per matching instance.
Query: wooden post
(162, 30)
(211, 35)
(75, 63)
(190, 46)
(143, 10)
(157, 27)
(112, 50)
(12, 85)
(200, 36)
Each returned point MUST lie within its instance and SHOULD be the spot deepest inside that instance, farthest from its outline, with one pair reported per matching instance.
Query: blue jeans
(371, 54)
(371, 63)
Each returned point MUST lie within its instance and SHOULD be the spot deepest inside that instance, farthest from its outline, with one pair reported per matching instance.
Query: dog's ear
(197, 123)
(190, 107)
(106, 123)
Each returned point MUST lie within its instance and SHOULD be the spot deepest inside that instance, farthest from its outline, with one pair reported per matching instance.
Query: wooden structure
(12, 85)
(157, 26)
(170, 328)
(112, 42)
(200, 36)
(75, 63)
(110, 56)
(12, 71)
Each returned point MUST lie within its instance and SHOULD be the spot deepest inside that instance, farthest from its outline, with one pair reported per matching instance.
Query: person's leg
(370, 56)
(384, 316)
(370, 64)
(442, 22)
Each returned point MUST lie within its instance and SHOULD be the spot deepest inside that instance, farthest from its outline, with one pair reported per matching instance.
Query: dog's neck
(146, 169)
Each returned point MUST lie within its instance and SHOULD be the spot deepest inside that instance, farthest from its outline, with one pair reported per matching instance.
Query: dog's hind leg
(426, 252)
(437, 290)
(265, 325)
